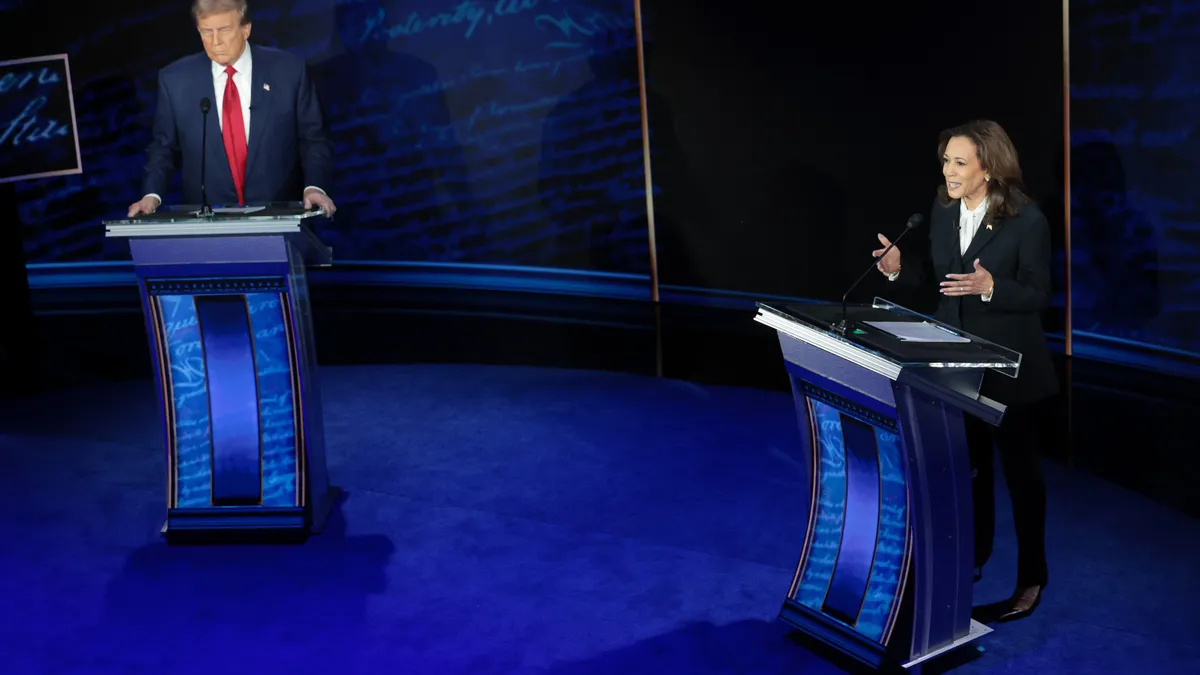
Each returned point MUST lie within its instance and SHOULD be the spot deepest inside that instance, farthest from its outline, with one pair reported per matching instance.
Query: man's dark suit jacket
(287, 150)
(1017, 253)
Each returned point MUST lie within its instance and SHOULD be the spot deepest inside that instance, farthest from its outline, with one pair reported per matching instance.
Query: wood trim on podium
(167, 386)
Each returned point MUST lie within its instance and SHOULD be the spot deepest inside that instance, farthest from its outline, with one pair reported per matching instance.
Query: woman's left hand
(978, 282)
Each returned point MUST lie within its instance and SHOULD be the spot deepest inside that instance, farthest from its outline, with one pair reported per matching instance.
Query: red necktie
(233, 131)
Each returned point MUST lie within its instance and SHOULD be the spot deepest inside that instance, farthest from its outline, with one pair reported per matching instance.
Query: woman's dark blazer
(1016, 251)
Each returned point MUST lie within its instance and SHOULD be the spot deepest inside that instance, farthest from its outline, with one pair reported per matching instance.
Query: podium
(885, 574)
(226, 307)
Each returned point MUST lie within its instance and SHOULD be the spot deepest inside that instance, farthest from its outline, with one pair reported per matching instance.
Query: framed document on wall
(38, 133)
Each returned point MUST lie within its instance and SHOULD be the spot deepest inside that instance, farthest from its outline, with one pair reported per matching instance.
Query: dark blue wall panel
(1135, 164)
(506, 131)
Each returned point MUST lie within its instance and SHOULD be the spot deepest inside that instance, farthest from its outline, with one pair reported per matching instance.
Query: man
(266, 139)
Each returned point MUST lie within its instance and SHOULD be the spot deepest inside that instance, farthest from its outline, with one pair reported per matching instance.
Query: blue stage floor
(515, 520)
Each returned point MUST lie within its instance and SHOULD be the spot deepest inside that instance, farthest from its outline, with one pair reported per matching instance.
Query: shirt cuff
(987, 297)
(893, 276)
(156, 197)
(314, 187)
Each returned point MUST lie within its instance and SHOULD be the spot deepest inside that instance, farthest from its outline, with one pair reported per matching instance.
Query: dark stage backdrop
(505, 132)
(506, 135)
(1135, 165)
(508, 132)
(784, 139)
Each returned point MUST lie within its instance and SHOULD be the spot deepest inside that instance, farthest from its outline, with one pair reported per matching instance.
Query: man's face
(223, 36)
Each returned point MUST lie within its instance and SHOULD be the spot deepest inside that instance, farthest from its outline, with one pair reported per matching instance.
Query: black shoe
(1021, 606)
(1022, 603)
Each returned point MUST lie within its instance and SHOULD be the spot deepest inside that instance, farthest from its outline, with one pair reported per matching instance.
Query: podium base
(249, 525)
(324, 507)
(977, 630)
(867, 654)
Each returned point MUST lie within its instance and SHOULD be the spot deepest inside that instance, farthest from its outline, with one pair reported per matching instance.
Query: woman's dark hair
(997, 156)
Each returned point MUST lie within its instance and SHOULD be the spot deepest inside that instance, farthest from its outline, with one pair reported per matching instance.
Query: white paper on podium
(240, 210)
(917, 331)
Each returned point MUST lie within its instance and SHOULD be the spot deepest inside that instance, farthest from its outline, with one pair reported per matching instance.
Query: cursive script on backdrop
(466, 16)
(484, 131)
(37, 130)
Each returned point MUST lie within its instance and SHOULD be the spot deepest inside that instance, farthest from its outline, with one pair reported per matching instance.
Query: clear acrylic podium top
(175, 223)
(958, 350)
(271, 218)
(253, 213)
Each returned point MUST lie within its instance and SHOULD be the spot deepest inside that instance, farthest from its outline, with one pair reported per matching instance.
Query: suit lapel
(982, 236)
(260, 107)
(949, 230)
(217, 162)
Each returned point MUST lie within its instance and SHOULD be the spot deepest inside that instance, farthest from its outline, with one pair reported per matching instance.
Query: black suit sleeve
(164, 145)
(1030, 291)
(316, 152)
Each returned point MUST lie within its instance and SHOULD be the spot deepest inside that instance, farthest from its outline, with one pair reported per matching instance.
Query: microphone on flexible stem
(205, 208)
(914, 221)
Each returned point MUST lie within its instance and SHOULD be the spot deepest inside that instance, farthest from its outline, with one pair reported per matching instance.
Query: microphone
(914, 221)
(205, 208)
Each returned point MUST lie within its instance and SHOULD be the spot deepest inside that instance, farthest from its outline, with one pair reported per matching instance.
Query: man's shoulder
(184, 65)
(277, 58)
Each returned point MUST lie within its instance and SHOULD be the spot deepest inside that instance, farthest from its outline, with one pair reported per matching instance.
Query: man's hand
(313, 197)
(890, 263)
(147, 205)
(978, 282)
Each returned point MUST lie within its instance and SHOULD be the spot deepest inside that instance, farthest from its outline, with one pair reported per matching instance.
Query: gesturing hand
(890, 263)
(978, 282)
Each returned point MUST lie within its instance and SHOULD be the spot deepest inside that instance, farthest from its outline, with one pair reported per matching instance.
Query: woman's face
(965, 177)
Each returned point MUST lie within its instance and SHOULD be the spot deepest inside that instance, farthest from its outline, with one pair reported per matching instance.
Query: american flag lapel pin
(266, 87)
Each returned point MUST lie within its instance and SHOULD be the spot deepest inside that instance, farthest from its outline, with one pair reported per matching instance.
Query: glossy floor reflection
(1126, 425)
(515, 520)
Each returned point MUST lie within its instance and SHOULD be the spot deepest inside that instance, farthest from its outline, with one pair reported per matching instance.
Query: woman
(989, 252)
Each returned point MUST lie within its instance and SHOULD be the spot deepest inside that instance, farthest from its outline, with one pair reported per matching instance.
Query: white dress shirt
(241, 79)
(969, 221)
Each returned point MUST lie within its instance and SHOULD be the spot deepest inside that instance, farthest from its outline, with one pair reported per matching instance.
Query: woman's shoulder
(942, 206)
(1030, 213)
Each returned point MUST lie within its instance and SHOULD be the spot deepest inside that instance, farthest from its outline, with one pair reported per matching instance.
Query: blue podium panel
(226, 354)
(861, 530)
(884, 573)
(225, 299)
(228, 365)
(855, 560)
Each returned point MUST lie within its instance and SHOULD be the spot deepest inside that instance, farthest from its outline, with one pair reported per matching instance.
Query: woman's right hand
(890, 263)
